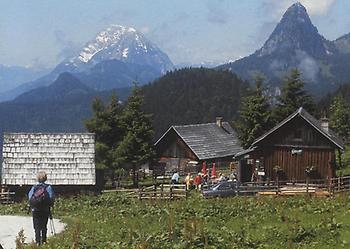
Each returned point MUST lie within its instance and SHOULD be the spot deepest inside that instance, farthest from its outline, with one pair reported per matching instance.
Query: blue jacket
(49, 191)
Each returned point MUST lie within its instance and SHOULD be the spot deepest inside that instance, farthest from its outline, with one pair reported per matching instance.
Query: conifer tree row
(292, 97)
(136, 146)
(123, 133)
(106, 125)
(340, 117)
(255, 115)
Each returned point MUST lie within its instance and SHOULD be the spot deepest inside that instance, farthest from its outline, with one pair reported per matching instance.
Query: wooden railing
(317, 187)
(163, 191)
(340, 184)
(6, 196)
(313, 186)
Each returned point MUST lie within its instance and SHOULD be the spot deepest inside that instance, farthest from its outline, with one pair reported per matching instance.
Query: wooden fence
(6, 196)
(317, 187)
(157, 191)
(163, 192)
(339, 184)
(324, 187)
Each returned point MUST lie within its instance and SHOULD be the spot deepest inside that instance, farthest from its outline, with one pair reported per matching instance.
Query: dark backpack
(40, 199)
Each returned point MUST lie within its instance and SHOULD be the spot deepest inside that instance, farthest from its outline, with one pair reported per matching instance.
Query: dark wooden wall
(297, 133)
(173, 147)
(316, 150)
(174, 152)
(294, 165)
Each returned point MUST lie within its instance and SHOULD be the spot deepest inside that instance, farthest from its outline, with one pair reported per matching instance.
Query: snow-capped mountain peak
(119, 43)
(113, 35)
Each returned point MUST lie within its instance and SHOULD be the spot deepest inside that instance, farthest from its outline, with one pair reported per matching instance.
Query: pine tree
(136, 146)
(340, 117)
(106, 125)
(255, 115)
(292, 97)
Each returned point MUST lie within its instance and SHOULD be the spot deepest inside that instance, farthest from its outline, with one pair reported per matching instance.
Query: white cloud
(318, 7)
(217, 13)
(144, 30)
(308, 66)
(276, 8)
(68, 47)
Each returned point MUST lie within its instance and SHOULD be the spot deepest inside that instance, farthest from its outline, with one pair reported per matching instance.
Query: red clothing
(198, 180)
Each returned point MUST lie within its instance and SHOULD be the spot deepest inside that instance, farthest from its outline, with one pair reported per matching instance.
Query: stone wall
(67, 158)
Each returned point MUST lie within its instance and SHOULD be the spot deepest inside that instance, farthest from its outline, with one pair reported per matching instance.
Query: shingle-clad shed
(67, 158)
(212, 142)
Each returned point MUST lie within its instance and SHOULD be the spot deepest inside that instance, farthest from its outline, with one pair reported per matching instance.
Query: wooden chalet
(299, 147)
(185, 145)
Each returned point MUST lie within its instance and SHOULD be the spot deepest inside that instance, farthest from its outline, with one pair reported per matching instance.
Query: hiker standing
(41, 198)
(175, 178)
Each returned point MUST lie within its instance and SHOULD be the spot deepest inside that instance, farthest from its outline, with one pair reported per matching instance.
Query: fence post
(339, 184)
(171, 192)
(155, 191)
(140, 193)
(329, 184)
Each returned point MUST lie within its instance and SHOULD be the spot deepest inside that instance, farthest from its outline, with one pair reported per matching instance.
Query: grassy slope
(111, 221)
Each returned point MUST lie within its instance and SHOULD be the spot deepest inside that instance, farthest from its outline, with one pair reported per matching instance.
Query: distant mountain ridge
(13, 76)
(115, 58)
(111, 74)
(66, 86)
(59, 107)
(296, 43)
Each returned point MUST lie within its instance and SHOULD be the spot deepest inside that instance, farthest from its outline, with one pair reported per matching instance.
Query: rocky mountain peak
(115, 35)
(295, 32)
(296, 43)
(117, 43)
(297, 8)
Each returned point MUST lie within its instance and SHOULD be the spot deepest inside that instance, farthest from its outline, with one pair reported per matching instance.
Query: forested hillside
(325, 102)
(60, 107)
(193, 95)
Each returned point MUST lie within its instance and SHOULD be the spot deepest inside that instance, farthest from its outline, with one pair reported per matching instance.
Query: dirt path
(11, 225)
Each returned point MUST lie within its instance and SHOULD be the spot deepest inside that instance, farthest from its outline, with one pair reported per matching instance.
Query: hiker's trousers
(40, 219)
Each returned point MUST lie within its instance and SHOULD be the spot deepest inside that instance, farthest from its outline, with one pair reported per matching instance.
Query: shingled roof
(330, 135)
(207, 141)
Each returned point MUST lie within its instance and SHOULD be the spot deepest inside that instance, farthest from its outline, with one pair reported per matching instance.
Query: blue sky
(40, 33)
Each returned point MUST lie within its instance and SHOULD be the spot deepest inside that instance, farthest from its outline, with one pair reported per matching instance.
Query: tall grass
(114, 221)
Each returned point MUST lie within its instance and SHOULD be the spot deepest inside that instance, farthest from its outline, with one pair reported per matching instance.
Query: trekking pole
(53, 231)
(52, 225)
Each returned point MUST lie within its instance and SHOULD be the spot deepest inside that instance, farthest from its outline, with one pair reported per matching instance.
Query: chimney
(325, 124)
(219, 121)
